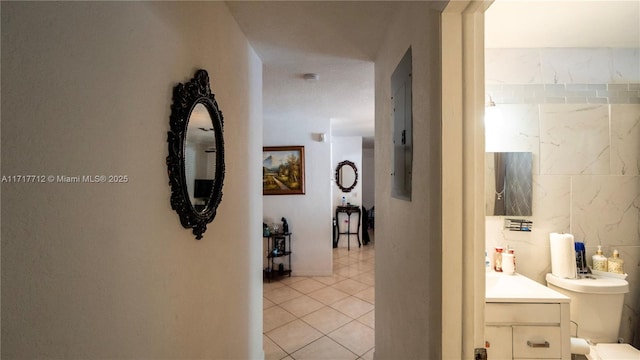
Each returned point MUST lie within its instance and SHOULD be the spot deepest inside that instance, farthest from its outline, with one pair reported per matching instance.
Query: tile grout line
(354, 267)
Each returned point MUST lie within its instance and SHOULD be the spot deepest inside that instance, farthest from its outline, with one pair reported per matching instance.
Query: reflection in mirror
(346, 176)
(508, 179)
(200, 157)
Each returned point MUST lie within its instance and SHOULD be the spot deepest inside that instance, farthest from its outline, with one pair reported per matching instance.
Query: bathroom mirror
(508, 182)
(195, 163)
(346, 176)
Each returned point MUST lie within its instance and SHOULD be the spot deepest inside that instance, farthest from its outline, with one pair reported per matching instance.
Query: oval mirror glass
(200, 157)
(347, 176)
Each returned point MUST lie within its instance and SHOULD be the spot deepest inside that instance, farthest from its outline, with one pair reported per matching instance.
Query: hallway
(323, 317)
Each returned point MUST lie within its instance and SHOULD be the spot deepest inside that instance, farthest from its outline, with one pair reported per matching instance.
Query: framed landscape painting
(283, 170)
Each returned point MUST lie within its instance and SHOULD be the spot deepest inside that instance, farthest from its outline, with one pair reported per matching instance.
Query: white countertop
(502, 288)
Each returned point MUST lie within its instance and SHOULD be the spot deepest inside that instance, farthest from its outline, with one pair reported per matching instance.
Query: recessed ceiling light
(311, 77)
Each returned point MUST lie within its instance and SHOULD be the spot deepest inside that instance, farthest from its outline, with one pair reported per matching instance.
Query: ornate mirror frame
(355, 171)
(185, 97)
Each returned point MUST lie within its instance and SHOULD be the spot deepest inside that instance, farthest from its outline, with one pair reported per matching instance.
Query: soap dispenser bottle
(487, 262)
(497, 259)
(599, 260)
(615, 264)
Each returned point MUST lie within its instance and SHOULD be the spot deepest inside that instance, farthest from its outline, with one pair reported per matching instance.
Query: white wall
(346, 148)
(309, 215)
(408, 234)
(577, 110)
(106, 270)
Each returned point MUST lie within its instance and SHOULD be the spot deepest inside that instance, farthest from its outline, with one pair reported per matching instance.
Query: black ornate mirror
(346, 175)
(196, 153)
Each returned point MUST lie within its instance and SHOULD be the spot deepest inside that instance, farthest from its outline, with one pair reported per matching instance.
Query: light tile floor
(323, 317)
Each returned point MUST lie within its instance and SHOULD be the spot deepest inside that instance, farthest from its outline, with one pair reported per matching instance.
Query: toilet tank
(596, 305)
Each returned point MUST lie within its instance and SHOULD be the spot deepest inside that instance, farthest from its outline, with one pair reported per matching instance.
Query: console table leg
(358, 231)
(348, 232)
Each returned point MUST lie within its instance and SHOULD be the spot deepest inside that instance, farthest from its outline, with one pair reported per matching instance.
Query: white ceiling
(339, 40)
(566, 23)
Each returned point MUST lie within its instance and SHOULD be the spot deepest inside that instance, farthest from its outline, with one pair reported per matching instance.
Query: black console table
(348, 209)
(278, 245)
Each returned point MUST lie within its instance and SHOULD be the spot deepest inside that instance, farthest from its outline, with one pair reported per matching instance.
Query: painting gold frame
(283, 170)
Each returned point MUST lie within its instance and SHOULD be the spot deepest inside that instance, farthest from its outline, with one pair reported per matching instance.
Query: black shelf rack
(278, 246)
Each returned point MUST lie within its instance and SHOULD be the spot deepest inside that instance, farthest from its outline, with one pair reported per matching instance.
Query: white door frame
(463, 214)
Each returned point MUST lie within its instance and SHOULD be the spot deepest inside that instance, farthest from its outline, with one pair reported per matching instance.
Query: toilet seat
(613, 352)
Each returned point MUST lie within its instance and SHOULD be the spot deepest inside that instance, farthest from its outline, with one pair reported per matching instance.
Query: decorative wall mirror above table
(195, 163)
(346, 176)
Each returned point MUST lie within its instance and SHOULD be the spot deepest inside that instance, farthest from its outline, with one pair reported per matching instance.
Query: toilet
(595, 312)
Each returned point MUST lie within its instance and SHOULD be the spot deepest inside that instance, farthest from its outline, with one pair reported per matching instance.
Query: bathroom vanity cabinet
(525, 320)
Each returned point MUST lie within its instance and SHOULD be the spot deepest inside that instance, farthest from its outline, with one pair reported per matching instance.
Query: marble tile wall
(578, 112)
(562, 66)
(565, 93)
